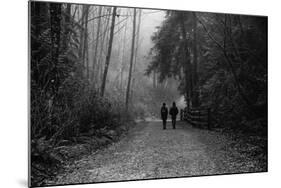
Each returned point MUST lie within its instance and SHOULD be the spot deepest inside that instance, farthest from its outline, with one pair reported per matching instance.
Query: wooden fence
(199, 117)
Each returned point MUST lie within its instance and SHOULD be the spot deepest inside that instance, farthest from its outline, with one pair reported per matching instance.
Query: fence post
(188, 115)
(181, 115)
(209, 118)
(199, 118)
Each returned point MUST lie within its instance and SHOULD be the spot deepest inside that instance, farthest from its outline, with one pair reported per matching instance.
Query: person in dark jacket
(174, 112)
(164, 115)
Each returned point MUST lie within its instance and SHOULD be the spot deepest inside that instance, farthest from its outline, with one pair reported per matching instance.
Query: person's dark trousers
(164, 123)
(174, 123)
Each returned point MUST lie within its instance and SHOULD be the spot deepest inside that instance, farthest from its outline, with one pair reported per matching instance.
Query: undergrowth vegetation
(69, 116)
(69, 131)
(90, 77)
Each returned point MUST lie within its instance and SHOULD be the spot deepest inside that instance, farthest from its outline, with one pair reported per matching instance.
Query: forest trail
(149, 152)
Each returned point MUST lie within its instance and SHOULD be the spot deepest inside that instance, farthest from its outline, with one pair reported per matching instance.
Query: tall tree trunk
(100, 59)
(136, 53)
(55, 23)
(81, 33)
(95, 76)
(85, 43)
(74, 13)
(123, 56)
(195, 97)
(40, 14)
(107, 59)
(131, 60)
(66, 26)
(186, 62)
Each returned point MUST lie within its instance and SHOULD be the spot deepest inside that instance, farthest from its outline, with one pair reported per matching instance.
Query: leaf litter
(149, 152)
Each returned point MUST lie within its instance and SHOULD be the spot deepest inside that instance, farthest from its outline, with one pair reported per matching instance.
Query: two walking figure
(173, 112)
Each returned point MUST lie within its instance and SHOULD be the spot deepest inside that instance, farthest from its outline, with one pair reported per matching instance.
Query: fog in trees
(95, 70)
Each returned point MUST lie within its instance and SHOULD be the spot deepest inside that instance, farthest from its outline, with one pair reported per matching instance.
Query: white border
(13, 99)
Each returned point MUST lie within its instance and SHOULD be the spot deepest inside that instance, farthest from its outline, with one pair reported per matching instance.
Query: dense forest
(92, 74)
(220, 61)
(87, 66)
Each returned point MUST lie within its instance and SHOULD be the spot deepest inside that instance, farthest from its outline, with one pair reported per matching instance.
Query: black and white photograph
(121, 93)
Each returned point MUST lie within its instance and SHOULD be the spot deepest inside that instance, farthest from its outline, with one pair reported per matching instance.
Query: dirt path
(150, 152)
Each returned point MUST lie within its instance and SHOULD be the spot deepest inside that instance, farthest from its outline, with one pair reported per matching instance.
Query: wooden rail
(199, 117)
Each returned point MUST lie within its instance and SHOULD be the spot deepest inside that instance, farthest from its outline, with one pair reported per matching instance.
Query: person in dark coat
(174, 112)
(164, 115)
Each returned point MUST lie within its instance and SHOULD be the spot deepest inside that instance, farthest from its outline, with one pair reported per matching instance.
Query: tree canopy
(220, 61)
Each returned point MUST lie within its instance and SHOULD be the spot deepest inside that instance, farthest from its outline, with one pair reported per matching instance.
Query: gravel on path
(149, 152)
